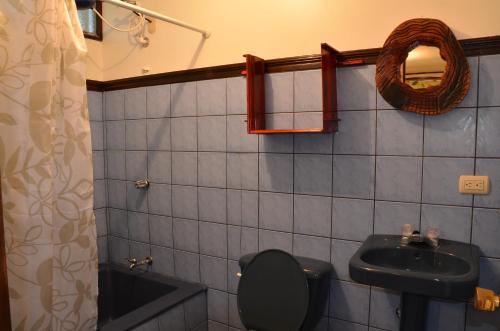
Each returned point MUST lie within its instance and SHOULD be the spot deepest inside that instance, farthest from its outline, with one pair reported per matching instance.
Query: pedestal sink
(418, 271)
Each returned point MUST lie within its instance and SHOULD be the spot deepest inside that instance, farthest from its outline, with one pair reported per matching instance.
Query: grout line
(422, 174)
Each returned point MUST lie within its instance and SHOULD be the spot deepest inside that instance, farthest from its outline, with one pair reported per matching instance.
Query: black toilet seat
(273, 293)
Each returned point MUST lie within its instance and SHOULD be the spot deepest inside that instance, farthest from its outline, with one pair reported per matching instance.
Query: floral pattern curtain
(46, 167)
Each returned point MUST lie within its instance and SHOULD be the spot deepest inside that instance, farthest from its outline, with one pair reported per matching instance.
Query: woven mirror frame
(434, 100)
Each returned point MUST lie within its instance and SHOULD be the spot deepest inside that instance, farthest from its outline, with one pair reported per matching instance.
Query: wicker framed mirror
(434, 92)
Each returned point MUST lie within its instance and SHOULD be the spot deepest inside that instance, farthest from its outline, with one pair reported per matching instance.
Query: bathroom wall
(270, 29)
(95, 105)
(217, 193)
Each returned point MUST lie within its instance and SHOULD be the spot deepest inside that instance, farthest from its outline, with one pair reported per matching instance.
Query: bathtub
(135, 299)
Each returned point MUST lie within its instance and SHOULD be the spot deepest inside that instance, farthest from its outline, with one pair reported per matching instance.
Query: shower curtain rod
(159, 16)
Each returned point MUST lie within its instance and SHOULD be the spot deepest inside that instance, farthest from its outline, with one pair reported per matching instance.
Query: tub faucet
(409, 236)
(148, 260)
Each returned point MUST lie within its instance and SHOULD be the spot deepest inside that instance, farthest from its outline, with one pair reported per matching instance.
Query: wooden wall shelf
(256, 93)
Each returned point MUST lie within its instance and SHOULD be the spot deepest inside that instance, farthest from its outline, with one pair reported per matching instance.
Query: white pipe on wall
(151, 13)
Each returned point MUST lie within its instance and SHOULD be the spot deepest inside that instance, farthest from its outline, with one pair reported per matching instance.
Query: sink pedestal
(413, 312)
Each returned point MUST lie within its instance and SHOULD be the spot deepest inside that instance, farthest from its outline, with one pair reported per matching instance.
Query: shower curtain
(46, 167)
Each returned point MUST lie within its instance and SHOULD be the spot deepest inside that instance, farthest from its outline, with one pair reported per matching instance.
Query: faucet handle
(433, 233)
(407, 230)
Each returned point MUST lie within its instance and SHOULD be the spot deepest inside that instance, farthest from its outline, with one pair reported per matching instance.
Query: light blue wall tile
(440, 180)
(352, 218)
(491, 168)
(485, 229)
(399, 133)
(242, 171)
(163, 260)
(311, 143)
(281, 143)
(489, 275)
(355, 299)
(307, 120)
(115, 105)
(115, 135)
(160, 230)
(158, 101)
(234, 316)
(241, 241)
(308, 94)
(276, 172)
(187, 266)
(136, 136)
(137, 165)
(213, 239)
(312, 215)
(279, 121)
(279, 92)
(356, 134)
(313, 247)
(313, 174)
(236, 95)
(160, 166)
(275, 240)
(97, 135)
(217, 306)
(213, 272)
(212, 169)
(243, 207)
(102, 249)
(381, 103)
(183, 99)
(95, 105)
(100, 193)
(211, 96)
(185, 201)
(184, 134)
(185, 234)
(118, 250)
(117, 194)
(137, 199)
(118, 222)
(101, 222)
(391, 216)
(233, 268)
(454, 223)
(159, 134)
(238, 140)
(342, 251)
(353, 176)
(185, 168)
(276, 211)
(138, 227)
(160, 199)
(212, 133)
(212, 204)
(115, 164)
(451, 134)
(135, 103)
(383, 304)
(487, 132)
(489, 80)
(399, 178)
(356, 88)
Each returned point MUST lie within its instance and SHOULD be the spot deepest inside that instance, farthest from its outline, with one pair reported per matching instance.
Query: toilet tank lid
(314, 269)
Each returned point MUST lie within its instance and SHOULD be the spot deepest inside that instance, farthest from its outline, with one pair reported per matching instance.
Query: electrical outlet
(474, 184)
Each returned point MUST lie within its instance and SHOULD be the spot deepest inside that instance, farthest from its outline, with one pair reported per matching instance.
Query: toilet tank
(318, 275)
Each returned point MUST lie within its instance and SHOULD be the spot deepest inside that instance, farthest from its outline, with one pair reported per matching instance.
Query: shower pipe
(4, 287)
(150, 13)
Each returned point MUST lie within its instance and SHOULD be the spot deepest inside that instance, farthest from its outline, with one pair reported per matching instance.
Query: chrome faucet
(148, 260)
(409, 236)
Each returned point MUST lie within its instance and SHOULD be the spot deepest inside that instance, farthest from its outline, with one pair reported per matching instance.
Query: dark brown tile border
(471, 47)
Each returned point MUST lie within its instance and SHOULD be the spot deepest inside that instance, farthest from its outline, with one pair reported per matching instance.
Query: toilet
(281, 292)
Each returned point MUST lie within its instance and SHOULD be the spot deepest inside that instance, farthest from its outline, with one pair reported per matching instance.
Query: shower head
(85, 4)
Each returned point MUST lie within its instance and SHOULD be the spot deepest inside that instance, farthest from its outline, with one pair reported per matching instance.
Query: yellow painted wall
(272, 29)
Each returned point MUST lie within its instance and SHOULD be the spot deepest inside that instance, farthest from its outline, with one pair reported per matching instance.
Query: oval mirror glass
(424, 67)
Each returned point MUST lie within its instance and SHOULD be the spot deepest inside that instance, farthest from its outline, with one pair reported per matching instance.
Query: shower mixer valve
(148, 260)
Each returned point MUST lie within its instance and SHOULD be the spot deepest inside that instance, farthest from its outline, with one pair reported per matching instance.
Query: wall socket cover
(474, 184)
